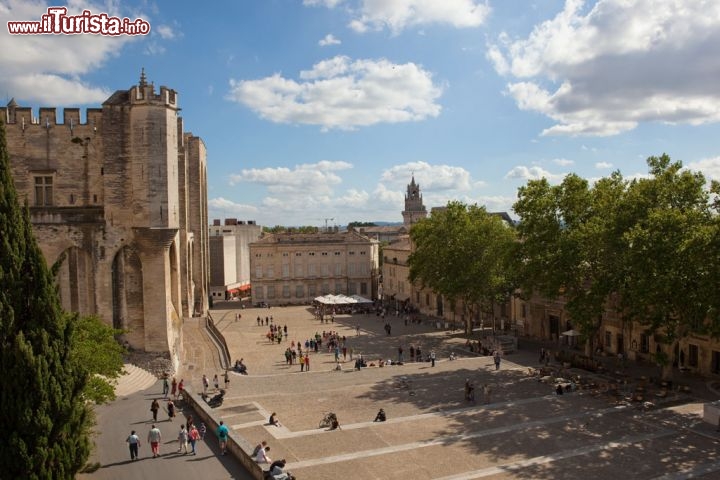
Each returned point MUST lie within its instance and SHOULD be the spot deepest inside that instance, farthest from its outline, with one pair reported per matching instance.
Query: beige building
(123, 198)
(230, 257)
(292, 268)
(547, 319)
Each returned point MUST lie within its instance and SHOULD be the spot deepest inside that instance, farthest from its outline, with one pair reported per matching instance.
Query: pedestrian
(285, 330)
(166, 386)
(226, 379)
(205, 383)
(170, 409)
(486, 393)
(183, 439)
(432, 358)
(154, 439)
(307, 363)
(133, 442)
(496, 357)
(181, 388)
(222, 434)
(154, 407)
(418, 355)
(302, 363)
(412, 353)
(357, 332)
(202, 430)
(193, 437)
(173, 391)
(400, 354)
(216, 382)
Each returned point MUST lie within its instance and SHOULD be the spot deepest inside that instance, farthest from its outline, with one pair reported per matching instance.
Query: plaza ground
(523, 431)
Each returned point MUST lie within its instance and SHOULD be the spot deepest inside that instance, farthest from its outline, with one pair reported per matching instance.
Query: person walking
(496, 357)
(181, 389)
(154, 439)
(173, 389)
(216, 382)
(133, 442)
(226, 379)
(432, 358)
(206, 383)
(193, 437)
(302, 363)
(307, 363)
(154, 408)
(171, 409)
(166, 386)
(183, 439)
(222, 434)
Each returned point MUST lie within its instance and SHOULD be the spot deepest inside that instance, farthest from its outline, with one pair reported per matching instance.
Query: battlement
(47, 116)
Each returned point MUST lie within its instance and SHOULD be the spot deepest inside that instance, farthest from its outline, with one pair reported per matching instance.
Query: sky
(319, 112)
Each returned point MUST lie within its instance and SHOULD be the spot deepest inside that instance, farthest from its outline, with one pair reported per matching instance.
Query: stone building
(122, 199)
(230, 257)
(293, 268)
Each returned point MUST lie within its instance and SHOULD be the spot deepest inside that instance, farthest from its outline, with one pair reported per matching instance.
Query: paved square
(522, 431)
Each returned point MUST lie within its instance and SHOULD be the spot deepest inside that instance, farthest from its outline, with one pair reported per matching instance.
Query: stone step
(134, 380)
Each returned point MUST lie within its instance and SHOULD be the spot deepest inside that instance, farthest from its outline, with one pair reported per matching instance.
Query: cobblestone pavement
(522, 431)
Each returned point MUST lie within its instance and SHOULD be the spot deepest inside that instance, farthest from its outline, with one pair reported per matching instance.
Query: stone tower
(122, 199)
(414, 208)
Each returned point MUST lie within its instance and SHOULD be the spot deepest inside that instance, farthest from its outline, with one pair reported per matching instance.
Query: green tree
(669, 281)
(95, 346)
(44, 416)
(568, 246)
(462, 253)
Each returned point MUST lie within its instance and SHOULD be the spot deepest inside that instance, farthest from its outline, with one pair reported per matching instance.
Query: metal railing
(219, 341)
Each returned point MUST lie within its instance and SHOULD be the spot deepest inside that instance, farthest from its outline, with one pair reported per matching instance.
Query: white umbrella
(572, 333)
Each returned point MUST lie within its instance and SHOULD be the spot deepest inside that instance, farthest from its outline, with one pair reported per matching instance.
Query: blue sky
(317, 109)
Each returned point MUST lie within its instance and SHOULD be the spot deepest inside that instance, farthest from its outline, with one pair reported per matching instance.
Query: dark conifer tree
(43, 418)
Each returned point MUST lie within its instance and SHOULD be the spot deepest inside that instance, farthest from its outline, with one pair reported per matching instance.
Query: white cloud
(430, 177)
(226, 206)
(602, 70)
(328, 40)
(166, 32)
(48, 69)
(339, 93)
(710, 167)
(322, 3)
(563, 162)
(397, 15)
(532, 173)
(603, 165)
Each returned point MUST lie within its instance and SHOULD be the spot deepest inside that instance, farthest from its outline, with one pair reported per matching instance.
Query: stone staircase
(134, 380)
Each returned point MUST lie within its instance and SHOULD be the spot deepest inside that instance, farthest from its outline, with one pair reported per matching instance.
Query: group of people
(189, 434)
(470, 391)
(276, 470)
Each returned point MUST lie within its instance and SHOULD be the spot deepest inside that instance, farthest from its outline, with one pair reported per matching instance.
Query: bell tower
(414, 208)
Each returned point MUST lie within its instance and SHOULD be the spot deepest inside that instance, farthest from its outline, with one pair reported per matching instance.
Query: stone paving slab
(524, 432)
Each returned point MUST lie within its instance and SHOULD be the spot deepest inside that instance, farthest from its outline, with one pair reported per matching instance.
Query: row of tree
(647, 247)
(50, 360)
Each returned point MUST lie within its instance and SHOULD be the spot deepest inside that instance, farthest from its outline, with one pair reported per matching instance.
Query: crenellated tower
(122, 198)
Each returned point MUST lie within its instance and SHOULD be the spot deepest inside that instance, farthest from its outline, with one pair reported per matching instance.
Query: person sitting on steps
(380, 417)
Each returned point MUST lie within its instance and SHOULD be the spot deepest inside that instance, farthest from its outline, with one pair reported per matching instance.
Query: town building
(230, 257)
(294, 268)
(121, 201)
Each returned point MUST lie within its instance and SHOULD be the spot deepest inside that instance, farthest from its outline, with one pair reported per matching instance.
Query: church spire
(143, 79)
